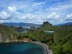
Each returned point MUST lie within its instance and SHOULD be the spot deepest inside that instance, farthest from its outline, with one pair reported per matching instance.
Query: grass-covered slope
(7, 32)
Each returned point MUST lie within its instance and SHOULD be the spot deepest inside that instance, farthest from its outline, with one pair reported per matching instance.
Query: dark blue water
(20, 48)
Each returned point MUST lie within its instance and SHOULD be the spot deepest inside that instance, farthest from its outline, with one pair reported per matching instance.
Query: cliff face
(27, 40)
(2, 38)
(7, 32)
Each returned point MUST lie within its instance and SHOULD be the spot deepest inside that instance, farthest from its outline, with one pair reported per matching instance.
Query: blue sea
(20, 48)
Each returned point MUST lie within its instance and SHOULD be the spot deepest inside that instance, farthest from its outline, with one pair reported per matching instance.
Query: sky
(36, 11)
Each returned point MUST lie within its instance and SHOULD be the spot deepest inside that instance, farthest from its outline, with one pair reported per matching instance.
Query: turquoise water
(20, 48)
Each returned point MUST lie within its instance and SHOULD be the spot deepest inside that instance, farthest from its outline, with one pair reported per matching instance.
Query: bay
(20, 48)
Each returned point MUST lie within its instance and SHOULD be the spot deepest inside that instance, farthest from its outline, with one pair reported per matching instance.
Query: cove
(20, 48)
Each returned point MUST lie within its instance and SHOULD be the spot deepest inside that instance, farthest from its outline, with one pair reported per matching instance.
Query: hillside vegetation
(62, 38)
(60, 41)
(7, 32)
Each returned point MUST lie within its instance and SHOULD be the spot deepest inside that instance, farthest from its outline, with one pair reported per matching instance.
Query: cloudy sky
(36, 11)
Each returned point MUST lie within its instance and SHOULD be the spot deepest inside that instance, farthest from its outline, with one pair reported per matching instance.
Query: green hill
(7, 32)
(62, 38)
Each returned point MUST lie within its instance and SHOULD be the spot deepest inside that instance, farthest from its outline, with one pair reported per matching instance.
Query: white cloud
(60, 7)
(23, 17)
(39, 17)
(3, 15)
(64, 7)
(32, 16)
(57, 17)
(28, 16)
(39, 3)
(12, 8)
(53, 15)
(61, 20)
(54, 8)
(2, 21)
(69, 15)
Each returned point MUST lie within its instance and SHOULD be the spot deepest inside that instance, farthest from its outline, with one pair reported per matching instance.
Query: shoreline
(45, 47)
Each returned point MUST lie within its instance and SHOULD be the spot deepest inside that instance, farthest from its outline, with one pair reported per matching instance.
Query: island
(51, 39)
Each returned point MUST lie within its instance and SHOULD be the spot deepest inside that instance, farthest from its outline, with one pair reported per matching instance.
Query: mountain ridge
(21, 24)
(65, 24)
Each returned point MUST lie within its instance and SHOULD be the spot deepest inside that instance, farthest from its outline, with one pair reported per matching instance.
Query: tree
(46, 23)
(32, 27)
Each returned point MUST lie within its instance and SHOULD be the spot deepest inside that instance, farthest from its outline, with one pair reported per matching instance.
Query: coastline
(45, 47)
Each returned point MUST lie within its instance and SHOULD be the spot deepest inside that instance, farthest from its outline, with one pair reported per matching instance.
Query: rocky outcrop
(27, 40)
(0, 37)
